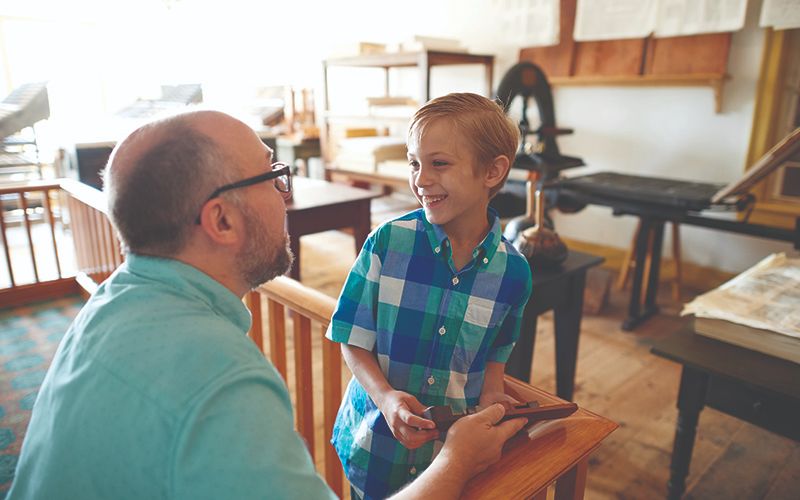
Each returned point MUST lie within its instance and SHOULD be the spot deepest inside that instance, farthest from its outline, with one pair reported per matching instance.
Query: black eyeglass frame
(278, 169)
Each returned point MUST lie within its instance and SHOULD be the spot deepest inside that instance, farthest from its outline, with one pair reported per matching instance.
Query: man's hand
(489, 398)
(402, 412)
(475, 442)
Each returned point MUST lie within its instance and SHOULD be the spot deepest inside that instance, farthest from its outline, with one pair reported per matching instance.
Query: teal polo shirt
(157, 392)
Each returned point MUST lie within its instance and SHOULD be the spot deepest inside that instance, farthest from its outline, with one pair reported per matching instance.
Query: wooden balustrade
(528, 466)
(309, 312)
(97, 248)
(554, 454)
(24, 205)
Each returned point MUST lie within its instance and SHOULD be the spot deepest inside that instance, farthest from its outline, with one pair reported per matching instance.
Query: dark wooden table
(318, 205)
(754, 387)
(559, 289)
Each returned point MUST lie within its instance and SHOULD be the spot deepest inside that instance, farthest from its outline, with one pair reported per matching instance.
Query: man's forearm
(444, 479)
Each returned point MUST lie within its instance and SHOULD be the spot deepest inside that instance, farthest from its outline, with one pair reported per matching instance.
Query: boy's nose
(423, 177)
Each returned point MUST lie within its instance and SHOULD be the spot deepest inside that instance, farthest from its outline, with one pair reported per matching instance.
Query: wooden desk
(318, 206)
(754, 387)
(558, 450)
(559, 289)
(651, 235)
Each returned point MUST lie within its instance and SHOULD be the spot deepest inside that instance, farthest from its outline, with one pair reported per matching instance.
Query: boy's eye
(439, 163)
(414, 164)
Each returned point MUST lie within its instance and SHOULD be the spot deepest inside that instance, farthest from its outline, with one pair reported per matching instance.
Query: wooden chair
(551, 453)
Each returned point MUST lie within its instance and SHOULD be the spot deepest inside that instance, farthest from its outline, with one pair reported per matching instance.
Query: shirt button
(437, 249)
(431, 380)
(455, 280)
(413, 470)
(442, 330)
(485, 260)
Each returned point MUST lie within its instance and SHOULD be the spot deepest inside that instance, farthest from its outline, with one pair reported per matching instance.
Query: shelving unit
(423, 61)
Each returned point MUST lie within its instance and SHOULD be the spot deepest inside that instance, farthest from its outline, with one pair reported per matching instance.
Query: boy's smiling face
(445, 180)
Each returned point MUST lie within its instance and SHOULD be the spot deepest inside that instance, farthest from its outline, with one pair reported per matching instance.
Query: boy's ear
(497, 171)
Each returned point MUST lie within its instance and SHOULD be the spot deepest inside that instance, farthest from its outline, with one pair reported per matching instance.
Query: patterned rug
(29, 337)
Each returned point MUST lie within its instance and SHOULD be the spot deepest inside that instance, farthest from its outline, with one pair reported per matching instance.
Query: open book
(758, 309)
(788, 147)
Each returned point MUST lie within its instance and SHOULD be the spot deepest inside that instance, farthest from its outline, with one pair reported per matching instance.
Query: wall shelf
(713, 80)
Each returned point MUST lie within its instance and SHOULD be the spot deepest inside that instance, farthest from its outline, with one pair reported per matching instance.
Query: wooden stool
(629, 261)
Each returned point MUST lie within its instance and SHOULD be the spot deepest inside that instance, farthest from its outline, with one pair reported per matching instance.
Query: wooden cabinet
(423, 61)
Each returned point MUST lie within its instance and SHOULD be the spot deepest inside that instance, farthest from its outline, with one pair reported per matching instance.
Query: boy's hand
(489, 398)
(401, 411)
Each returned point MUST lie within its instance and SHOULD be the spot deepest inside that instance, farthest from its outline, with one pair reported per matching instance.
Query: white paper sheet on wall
(528, 23)
(780, 14)
(614, 19)
(691, 17)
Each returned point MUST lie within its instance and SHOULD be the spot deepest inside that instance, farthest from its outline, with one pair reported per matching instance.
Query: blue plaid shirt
(432, 328)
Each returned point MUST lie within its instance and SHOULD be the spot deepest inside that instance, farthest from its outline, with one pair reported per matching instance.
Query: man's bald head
(159, 176)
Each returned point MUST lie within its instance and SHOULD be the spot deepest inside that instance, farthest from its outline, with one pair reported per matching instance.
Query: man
(155, 390)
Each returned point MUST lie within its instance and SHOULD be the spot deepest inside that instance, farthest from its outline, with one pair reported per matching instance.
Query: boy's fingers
(419, 422)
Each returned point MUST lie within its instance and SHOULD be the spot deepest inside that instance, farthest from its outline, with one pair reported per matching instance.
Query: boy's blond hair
(480, 121)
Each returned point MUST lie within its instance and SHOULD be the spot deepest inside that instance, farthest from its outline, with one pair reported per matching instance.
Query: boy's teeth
(432, 199)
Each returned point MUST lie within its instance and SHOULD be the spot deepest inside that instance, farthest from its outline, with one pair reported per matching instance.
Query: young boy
(433, 304)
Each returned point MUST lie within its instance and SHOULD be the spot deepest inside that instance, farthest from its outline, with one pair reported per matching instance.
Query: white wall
(105, 51)
(666, 132)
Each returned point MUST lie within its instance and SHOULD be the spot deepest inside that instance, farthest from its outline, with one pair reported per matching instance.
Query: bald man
(156, 391)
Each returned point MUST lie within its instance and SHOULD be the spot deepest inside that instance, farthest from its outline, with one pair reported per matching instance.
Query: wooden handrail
(85, 194)
(308, 302)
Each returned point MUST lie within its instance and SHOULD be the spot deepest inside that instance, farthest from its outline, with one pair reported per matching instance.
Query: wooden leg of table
(627, 261)
(634, 305)
(567, 317)
(691, 399)
(362, 226)
(650, 307)
(676, 256)
(521, 358)
(572, 484)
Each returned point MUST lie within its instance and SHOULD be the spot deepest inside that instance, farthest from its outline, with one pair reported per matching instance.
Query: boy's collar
(485, 250)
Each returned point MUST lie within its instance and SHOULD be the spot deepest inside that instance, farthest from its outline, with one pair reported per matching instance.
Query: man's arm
(400, 409)
(473, 443)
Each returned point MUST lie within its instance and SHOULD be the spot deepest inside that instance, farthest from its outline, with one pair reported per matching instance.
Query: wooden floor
(617, 377)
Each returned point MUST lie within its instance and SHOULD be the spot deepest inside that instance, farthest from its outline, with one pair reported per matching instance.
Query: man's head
(478, 122)
(159, 181)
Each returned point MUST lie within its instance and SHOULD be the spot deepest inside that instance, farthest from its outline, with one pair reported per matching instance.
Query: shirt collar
(438, 238)
(194, 283)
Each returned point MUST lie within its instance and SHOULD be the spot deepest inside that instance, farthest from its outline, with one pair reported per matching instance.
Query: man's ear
(497, 171)
(222, 222)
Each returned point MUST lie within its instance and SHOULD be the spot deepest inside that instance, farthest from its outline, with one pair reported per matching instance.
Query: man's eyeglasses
(281, 173)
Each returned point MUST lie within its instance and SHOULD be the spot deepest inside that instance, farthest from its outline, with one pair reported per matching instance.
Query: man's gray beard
(261, 260)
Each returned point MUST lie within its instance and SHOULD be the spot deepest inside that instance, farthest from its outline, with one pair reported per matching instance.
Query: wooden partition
(551, 454)
(305, 312)
(97, 249)
(22, 207)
